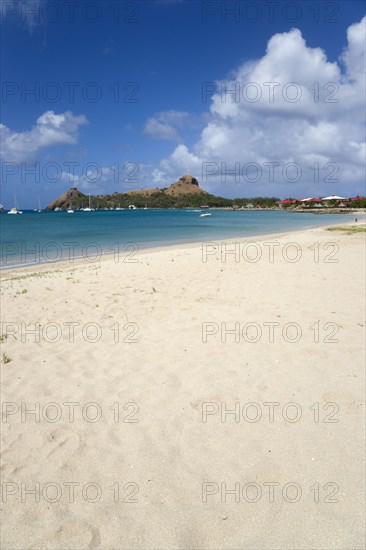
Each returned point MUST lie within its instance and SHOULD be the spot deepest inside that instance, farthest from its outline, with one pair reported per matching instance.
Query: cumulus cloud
(167, 124)
(159, 130)
(50, 129)
(354, 55)
(290, 107)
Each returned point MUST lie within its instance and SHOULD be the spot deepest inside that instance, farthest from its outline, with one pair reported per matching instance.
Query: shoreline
(105, 256)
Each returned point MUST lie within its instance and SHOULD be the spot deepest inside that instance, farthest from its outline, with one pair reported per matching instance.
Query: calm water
(49, 236)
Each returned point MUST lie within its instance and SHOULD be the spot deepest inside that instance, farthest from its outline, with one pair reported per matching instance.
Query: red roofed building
(288, 201)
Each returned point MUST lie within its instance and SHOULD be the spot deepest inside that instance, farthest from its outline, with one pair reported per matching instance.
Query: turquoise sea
(33, 237)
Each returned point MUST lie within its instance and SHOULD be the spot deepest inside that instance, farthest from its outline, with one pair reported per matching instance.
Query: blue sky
(158, 127)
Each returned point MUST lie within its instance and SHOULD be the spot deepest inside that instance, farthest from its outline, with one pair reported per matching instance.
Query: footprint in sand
(70, 536)
(197, 405)
(63, 441)
(20, 449)
(10, 469)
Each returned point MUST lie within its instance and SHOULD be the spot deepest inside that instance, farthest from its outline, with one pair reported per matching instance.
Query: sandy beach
(198, 397)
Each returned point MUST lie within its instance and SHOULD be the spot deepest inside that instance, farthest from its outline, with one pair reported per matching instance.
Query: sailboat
(70, 210)
(88, 209)
(15, 209)
(39, 209)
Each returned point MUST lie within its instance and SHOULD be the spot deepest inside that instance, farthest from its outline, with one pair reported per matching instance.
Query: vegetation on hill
(159, 199)
(184, 193)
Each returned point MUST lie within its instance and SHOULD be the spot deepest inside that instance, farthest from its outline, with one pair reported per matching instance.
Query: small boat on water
(89, 208)
(70, 210)
(206, 215)
(39, 209)
(15, 210)
(132, 207)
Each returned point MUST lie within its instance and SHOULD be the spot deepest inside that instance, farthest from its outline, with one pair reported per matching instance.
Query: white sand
(169, 374)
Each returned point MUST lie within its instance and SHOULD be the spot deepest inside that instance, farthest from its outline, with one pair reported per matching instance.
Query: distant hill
(184, 193)
(73, 196)
(186, 185)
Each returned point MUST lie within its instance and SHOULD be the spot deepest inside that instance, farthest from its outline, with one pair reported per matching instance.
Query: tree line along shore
(159, 199)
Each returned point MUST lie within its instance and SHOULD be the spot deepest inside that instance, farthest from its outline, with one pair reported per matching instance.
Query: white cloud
(166, 125)
(50, 129)
(69, 178)
(307, 111)
(158, 130)
(354, 55)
